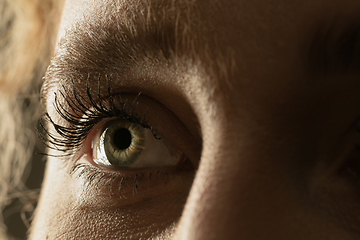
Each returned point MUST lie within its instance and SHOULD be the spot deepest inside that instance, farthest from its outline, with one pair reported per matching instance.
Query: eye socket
(123, 144)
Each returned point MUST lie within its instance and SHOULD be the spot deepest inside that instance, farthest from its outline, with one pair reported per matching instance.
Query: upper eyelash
(84, 115)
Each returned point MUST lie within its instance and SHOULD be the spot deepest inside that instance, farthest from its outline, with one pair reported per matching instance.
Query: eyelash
(84, 115)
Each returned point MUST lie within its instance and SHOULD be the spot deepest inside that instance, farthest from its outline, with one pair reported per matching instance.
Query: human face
(261, 99)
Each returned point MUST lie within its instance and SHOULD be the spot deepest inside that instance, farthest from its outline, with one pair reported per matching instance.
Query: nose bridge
(239, 192)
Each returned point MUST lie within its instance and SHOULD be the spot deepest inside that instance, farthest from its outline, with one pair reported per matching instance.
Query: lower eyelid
(129, 186)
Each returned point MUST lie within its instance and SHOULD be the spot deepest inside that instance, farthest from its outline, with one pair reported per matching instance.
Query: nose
(247, 187)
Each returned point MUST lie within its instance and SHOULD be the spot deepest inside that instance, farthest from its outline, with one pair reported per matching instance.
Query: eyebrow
(114, 38)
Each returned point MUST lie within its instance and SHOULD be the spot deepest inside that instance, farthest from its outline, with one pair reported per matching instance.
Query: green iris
(123, 142)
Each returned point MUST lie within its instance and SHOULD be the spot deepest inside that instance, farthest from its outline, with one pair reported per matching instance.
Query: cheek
(67, 210)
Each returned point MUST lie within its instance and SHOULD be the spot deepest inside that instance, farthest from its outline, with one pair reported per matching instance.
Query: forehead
(254, 47)
(229, 17)
(249, 30)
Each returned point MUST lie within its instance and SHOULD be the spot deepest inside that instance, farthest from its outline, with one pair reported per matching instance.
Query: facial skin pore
(263, 100)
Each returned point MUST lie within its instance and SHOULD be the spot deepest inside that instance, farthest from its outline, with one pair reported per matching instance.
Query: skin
(269, 129)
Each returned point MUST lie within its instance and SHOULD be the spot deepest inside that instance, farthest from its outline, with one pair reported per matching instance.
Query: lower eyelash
(105, 181)
(95, 178)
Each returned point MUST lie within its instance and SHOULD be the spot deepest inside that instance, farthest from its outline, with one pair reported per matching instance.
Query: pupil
(122, 138)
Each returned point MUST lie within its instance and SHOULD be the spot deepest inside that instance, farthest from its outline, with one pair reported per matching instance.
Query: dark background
(33, 178)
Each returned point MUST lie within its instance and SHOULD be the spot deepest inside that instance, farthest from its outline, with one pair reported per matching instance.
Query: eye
(123, 144)
(119, 145)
